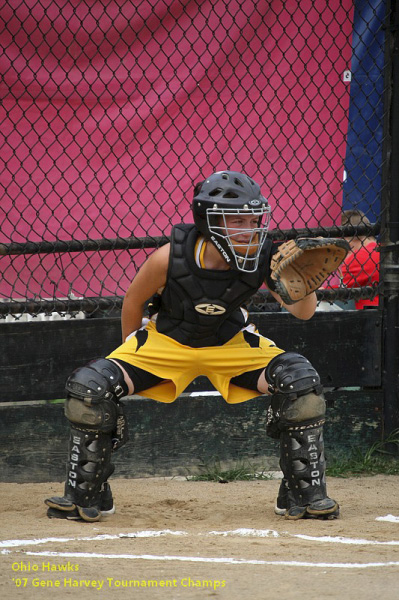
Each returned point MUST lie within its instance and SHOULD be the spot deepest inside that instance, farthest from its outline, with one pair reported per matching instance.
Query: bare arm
(151, 276)
(303, 309)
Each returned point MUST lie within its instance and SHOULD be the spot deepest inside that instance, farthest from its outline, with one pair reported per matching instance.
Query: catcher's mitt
(299, 267)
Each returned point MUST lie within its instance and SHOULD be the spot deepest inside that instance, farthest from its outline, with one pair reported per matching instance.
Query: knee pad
(101, 417)
(302, 411)
(92, 402)
(99, 380)
(291, 373)
(298, 399)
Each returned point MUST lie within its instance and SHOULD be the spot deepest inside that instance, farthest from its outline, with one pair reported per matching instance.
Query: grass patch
(380, 458)
(242, 471)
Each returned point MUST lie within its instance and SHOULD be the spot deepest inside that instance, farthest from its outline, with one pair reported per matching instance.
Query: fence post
(390, 249)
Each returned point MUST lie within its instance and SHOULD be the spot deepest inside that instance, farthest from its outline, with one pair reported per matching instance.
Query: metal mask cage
(245, 254)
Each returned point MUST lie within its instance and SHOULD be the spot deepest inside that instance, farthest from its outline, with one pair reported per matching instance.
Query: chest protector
(201, 307)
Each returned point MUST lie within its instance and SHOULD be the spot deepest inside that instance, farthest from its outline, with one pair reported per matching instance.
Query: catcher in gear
(197, 285)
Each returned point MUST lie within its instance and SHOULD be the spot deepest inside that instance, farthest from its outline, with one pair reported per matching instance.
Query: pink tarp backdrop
(110, 110)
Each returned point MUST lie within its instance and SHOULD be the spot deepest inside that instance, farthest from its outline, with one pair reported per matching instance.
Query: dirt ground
(175, 539)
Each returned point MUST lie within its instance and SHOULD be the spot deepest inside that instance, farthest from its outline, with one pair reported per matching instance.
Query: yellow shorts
(180, 365)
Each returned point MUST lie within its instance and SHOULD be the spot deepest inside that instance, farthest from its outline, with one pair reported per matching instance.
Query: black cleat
(55, 513)
(319, 509)
(62, 508)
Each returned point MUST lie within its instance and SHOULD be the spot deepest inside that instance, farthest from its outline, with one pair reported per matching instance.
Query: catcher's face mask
(239, 234)
(230, 211)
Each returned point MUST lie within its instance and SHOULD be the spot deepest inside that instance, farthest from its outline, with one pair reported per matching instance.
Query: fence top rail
(91, 305)
(132, 242)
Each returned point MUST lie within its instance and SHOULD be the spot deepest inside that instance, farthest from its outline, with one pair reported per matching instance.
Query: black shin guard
(98, 426)
(296, 416)
(89, 466)
(303, 464)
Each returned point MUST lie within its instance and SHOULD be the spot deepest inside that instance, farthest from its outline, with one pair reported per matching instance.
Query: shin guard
(88, 467)
(303, 464)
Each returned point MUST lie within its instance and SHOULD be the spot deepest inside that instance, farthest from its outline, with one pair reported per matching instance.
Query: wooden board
(175, 439)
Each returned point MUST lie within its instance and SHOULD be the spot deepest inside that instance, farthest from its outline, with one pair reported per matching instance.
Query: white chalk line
(219, 560)
(7, 545)
(105, 536)
(389, 518)
(323, 538)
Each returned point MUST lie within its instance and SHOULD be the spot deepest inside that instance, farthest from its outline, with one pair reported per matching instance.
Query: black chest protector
(201, 307)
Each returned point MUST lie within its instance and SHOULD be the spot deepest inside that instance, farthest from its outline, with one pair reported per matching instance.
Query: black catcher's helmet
(225, 194)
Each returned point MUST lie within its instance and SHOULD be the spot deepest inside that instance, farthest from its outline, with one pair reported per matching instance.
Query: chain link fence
(112, 110)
